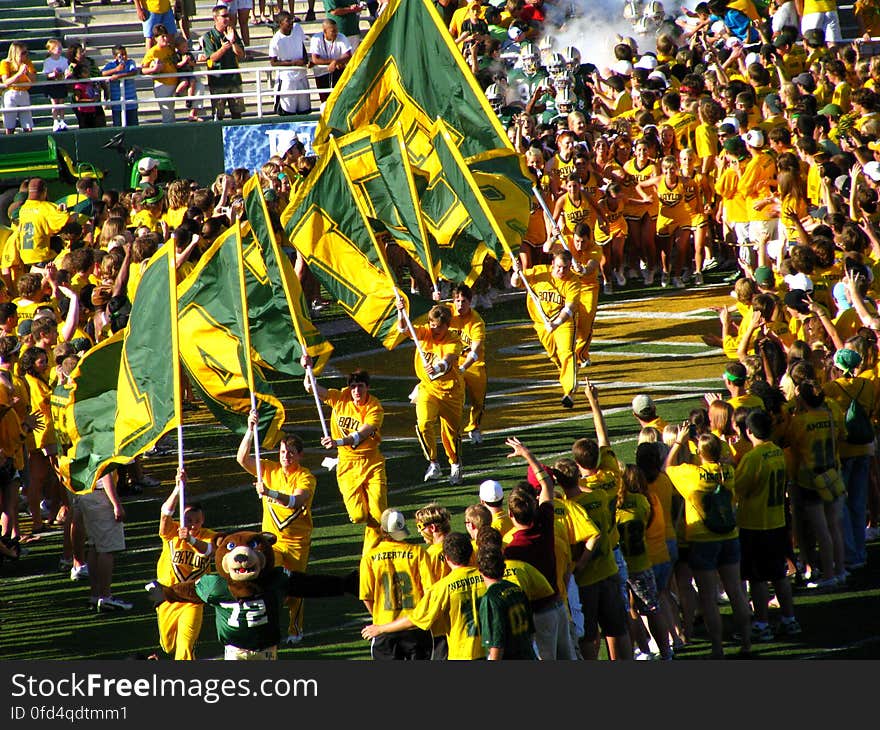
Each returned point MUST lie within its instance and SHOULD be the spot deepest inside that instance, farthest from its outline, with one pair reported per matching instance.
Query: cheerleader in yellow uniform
(558, 292)
(186, 556)
(573, 207)
(641, 213)
(674, 217)
(611, 236)
(699, 196)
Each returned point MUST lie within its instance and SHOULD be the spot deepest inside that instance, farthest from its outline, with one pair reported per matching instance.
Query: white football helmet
(495, 96)
(528, 58)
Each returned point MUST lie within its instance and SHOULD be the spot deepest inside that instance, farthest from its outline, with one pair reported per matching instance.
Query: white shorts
(12, 115)
(761, 229)
(828, 21)
(105, 534)
(294, 80)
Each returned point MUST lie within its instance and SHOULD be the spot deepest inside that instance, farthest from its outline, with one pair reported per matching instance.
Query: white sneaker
(607, 288)
(291, 639)
(110, 603)
(619, 278)
(62, 125)
(649, 278)
(454, 474)
(664, 279)
(710, 263)
(698, 279)
(677, 283)
(476, 437)
(433, 471)
(55, 125)
(80, 572)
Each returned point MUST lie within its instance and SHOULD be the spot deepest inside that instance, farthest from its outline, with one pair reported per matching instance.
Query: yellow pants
(475, 380)
(179, 627)
(293, 554)
(559, 345)
(430, 407)
(364, 488)
(585, 319)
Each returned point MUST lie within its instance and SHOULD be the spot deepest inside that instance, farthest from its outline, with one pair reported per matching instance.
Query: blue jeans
(623, 575)
(855, 475)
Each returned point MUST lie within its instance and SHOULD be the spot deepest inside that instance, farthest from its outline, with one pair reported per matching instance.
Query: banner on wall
(250, 145)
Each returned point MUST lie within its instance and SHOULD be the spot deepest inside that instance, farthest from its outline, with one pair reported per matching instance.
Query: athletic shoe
(291, 639)
(789, 627)
(79, 572)
(55, 125)
(476, 437)
(826, 584)
(62, 125)
(149, 482)
(619, 278)
(677, 283)
(109, 603)
(607, 289)
(433, 471)
(710, 263)
(455, 476)
(585, 363)
(643, 656)
(762, 633)
(567, 402)
(664, 279)
(698, 279)
(871, 533)
(649, 278)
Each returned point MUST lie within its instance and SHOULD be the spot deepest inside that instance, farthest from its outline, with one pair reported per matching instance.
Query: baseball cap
(642, 405)
(736, 147)
(799, 281)
(831, 110)
(838, 291)
(393, 523)
(781, 40)
(732, 122)
(147, 163)
(814, 37)
(622, 67)
(648, 62)
(872, 170)
(491, 491)
(806, 80)
(754, 138)
(660, 76)
(797, 300)
(24, 327)
(764, 276)
(752, 58)
(9, 346)
(774, 103)
(728, 130)
(847, 360)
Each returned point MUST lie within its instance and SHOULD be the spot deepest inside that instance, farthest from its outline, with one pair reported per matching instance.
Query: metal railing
(263, 93)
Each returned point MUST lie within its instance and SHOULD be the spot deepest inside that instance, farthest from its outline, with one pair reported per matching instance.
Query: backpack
(718, 513)
(859, 429)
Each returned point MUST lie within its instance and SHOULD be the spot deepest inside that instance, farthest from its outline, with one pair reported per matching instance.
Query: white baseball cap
(872, 170)
(147, 163)
(393, 523)
(491, 491)
(754, 138)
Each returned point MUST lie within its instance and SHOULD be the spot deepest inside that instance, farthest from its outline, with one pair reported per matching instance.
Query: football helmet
(495, 96)
(528, 58)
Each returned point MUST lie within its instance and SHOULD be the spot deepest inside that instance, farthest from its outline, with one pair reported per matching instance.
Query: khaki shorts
(105, 534)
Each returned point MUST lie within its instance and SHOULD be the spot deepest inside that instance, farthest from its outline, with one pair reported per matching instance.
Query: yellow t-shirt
(470, 328)
(529, 578)
(760, 488)
(347, 418)
(179, 560)
(40, 395)
(38, 221)
(632, 522)
(598, 504)
(455, 599)
(607, 478)
(165, 57)
(394, 576)
(655, 533)
(692, 481)
(662, 488)
(7, 69)
(292, 524)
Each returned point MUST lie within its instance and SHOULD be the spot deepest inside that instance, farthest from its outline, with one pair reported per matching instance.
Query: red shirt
(535, 545)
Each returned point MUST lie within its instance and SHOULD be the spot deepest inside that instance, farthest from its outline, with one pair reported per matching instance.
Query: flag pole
(246, 335)
(253, 186)
(175, 358)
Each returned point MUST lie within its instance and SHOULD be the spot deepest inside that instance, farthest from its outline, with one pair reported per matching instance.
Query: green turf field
(645, 342)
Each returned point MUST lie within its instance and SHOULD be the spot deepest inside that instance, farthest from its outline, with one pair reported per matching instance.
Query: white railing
(262, 94)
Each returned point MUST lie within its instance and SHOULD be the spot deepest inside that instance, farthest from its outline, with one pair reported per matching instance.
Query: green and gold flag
(211, 324)
(327, 224)
(276, 307)
(125, 392)
(408, 71)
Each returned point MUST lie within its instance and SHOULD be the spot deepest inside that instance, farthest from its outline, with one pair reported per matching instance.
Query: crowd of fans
(741, 143)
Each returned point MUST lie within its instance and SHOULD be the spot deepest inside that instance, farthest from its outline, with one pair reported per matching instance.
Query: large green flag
(276, 306)
(211, 323)
(461, 226)
(327, 224)
(378, 166)
(408, 71)
(126, 392)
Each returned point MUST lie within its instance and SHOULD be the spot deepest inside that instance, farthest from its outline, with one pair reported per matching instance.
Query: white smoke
(594, 27)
